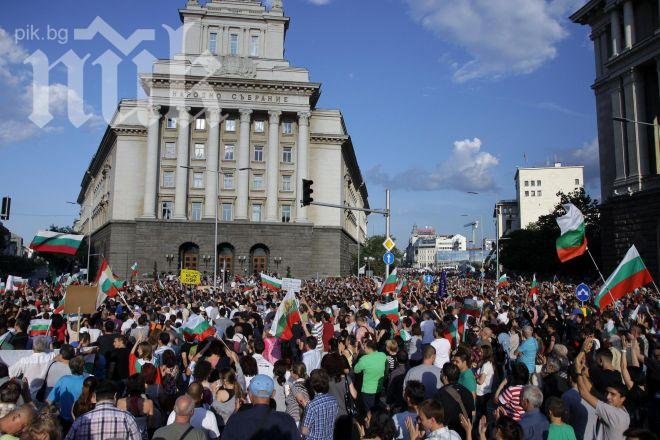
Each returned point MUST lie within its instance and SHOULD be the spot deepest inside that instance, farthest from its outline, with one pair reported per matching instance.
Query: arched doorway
(259, 258)
(226, 259)
(188, 256)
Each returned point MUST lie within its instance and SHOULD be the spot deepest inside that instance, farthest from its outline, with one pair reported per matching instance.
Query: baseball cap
(261, 386)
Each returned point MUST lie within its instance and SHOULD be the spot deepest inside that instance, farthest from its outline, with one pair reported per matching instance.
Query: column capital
(274, 116)
(154, 113)
(245, 114)
(303, 118)
(183, 110)
(213, 114)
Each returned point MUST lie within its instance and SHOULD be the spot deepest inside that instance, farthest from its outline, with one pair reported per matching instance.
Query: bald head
(184, 406)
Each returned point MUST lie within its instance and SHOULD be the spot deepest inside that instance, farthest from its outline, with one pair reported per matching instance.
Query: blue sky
(440, 97)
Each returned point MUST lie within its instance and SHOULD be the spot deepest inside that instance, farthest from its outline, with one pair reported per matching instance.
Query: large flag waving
(389, 310)
(197, 328)
(108, 285)
(503, 281)
(628, 276)
(56, 242)
(287, 314)
(572, 242)
(270, 283)
(389, 285)
(534, 289)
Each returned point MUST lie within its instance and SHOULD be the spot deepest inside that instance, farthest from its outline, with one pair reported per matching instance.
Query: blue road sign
(583, 292)
(428, 279)
(388, 258)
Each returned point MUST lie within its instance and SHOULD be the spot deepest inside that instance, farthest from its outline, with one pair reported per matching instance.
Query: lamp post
(169, 258)
(89, 233)
(206, 259)
(215, 226)
(242, 259)
(277, 261)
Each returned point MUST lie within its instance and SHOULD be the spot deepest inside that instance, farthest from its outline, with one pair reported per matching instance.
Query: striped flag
(286, 316)
(197, 328)
(38, 327)
(108, 284)
(56, 242)
(60, 305)
(134, 270)
(454, 332)
(534, 289)
(389, 310)
(270, 283)
(631, 274)
(389, 285)
(572, 242)
(503, 281)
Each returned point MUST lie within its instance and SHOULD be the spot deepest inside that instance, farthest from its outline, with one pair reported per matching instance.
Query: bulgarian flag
(389, 285)
(38, 327)
(197, 328)
(534, 290)
(572, 242)
(402, 287)
(631, 274)
(134, 269)
(389, 310)
(270, 283)
(56, 242)
(60, 305)
(469, 307)
(503, 281)
(454, 332)
(108, 284)
(2, 287)
(287, 314)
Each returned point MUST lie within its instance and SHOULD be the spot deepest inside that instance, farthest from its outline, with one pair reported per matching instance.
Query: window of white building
(213, 42)
(526, 193)
(199, 151)
(538, 193)
(286, 213)
(227, 212)
(229, 152)
(287, 127)
(228, 181)
(256, 212)
(166, 208)
(533, 183)
(577, 181)
(287, 156)
(254, 46)
(200, 124)
(170, 150)
(258, 153)
(168, 179)
(198, 180)
(533, 193)
(230, 125)
(538, 183)
(196, 211)
(171, 122)
(526, 182)
(258, 182)
(286, 182)
(259, 126)
(233, 44)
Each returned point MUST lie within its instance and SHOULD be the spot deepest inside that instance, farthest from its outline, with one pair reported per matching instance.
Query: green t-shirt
(373, 367)
(561, 432)
(468, 381)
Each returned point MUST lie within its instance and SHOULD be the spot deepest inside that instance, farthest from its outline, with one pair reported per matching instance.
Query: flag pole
(601, 276)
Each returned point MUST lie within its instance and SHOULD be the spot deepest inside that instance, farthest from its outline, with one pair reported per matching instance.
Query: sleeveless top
(225, 409)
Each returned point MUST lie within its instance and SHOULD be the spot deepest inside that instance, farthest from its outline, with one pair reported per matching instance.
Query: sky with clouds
(441, 97)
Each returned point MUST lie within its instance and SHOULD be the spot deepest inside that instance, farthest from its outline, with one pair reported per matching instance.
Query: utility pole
(387, 225)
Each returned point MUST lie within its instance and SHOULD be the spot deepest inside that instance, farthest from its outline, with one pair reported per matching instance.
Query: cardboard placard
(80, 296)
(189, 276)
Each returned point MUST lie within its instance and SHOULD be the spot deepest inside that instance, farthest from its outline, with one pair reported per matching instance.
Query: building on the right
(626, 37)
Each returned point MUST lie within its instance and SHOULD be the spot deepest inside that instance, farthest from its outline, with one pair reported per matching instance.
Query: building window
(196, 211)
(170, 150)
(256, 213)
(286, 182)
(213, 42)
(166, 209)
(233, 44)
(227, 212)
(200, 124)
(538, 193)
(168, 179)
(533, 183)
(286, 213)
(287, 127)
(254, 46)
(230, 125)
(171, 122)
(577, 182)
(199, 151)
(538, 183)
(258, 153)
(526, 193)
(198, 180)
(259, 126)
(228, 181)
(229, 152)
(287, 156)
(258, 182)
(533, 193)
(526, 182)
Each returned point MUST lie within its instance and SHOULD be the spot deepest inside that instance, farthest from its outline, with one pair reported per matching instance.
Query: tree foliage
(373, 247)
(533, 249)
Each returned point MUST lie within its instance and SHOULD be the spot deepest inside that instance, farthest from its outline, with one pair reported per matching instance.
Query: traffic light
(307, 192)
(6, 206)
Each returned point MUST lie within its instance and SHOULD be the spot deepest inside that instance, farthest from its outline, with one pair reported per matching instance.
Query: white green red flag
(389, 285)
(503, 281)
(534, 289)
(270, 283)
(197, 328)
(2, 287)
(60, 305)
(390, 310)
(454, 332)
(470, 307)
(108, 284)
(38, 327)
(572, 242)
(134, 269)
(56, 242)
(402, 287)
(14, 283)
(286, 316)
(631, 274)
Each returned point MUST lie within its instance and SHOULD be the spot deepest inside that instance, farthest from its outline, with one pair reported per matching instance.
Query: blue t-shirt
(65, 393)
(528, 357)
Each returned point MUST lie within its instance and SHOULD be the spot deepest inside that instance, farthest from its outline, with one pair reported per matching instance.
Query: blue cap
(261, 386)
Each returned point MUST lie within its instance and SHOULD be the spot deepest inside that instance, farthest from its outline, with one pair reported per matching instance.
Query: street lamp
(206, 259)
(215, 227)
(169, 258)
(242, 259)
(89, 233)
(277, 261)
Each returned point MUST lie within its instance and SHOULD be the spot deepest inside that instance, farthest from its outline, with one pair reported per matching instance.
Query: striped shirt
(105, 422)
(511, 399)
(317, 332)
(320, 416)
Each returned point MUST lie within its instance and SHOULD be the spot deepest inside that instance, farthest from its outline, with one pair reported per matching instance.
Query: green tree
(533, 249)
(373, 247)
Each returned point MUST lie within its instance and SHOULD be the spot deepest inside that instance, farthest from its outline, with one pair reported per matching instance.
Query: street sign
(388, 258)
(428, 279)
(389, 244)
(583, 292)
(291, 285)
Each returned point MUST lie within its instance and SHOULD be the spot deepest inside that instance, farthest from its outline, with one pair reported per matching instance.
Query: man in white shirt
(33, 367)
(311, 356)
(202, 418)
(263, 365)
(442, 348)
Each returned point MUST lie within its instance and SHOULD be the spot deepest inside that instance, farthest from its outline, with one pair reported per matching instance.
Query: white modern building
(424, 244)
(228, 130)
(536, 195)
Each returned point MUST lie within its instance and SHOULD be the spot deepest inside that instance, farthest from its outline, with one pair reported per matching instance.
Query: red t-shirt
(328, 333)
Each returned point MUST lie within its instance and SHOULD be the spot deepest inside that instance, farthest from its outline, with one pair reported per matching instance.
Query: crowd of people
(469, 361)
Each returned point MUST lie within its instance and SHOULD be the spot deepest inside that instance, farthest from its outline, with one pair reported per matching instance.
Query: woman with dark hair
(279, 377)
(154, 391)
(87, 401)
(226, 393)
(169, 373)
(58, 331)
(297, 394)
(485, 377)
(136, 403)
(509, 393)
(340, 384)
(379, 425)
(249, 366)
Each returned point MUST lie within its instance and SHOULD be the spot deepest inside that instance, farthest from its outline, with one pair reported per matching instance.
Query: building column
(620, 165)
(273, 165)
(597, 53)
(628, 24)
(243, 187)
(635, 110)
(151, 162)
(302, 166)
(615, 24)
(182, 147)
(212, 175)
(603, 52)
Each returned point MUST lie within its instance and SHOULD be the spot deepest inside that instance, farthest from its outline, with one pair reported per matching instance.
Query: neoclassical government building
(228, 130)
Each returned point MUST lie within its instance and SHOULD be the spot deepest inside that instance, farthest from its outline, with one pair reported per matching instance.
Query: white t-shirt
(488, 372)
(442, 349)
(202, 419)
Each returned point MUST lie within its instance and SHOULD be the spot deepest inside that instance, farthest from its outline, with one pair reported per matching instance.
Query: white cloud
(467, 168)
(10, 55)
(501, 37)
(319, 2)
